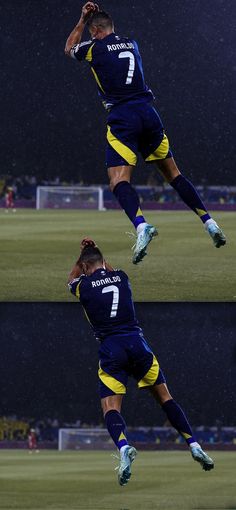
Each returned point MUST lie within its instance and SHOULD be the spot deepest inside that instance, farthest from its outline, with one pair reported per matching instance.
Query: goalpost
(84, 438)
(70, 197)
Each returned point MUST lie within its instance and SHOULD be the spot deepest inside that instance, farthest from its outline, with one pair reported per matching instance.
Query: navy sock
(129, 201)
(190, 196)
(178, 420)
(116, 427)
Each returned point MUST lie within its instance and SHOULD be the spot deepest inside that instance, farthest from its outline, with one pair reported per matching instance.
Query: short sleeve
(75, 285)
(79, 51)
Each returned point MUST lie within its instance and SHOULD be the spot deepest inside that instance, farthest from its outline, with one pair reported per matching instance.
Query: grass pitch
(87, 481)
(38, 249)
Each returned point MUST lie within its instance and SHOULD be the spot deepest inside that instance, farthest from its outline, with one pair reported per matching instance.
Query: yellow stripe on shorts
(113, 384)
(124, 151)
(161, 151)
(151, 376)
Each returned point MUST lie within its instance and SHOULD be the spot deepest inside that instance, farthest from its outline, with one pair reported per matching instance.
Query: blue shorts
(121, 356)
(133, 128)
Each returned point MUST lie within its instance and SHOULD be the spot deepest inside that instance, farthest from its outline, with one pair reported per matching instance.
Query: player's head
(100, 24)
(91, 258)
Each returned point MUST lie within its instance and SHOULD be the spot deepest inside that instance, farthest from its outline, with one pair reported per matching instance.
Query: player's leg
(149, 375)
(190, 197)
(115, 423)
(128, 198)
(120, 177)
(178, 420)
(121, 157)
(155, 148)
(116, 427)
(113, 381)
(6, 204)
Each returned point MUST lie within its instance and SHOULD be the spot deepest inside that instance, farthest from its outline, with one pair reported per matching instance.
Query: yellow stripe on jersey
(97, 80)
(89, 55)
(201, 212)
(151, 376)
(113, 384)
(87, 317)
(124, 151)
(161, 151)
(77, 292)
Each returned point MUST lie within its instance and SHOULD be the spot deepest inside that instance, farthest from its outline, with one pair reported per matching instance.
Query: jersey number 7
(115, 298)
(130, 56)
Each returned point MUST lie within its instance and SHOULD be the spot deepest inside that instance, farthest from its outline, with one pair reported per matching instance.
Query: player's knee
(119, 174)
(168, 169)
(161, 393)
(115, 178)
(110, 408)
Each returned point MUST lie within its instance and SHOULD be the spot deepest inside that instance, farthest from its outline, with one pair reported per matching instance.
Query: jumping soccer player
(133, 124)
(105, 294)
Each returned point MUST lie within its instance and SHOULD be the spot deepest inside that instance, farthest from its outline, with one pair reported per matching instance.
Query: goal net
(69, 197)
(84, 439)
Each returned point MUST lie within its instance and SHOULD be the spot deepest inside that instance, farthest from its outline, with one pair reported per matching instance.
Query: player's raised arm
(76, 272)
(77, 269)
(80, 267)
(75, 37)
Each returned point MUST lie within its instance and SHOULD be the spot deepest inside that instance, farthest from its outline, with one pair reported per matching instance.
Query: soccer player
(105, 294)
(9, 200)
(133, 124)
(32, 441)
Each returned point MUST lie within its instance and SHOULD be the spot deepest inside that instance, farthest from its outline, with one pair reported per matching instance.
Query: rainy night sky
(52, 121)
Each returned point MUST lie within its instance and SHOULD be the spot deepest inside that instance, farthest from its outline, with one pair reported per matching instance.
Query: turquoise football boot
(127, 456)
(216, 233)
(200, 456)
(143, 239)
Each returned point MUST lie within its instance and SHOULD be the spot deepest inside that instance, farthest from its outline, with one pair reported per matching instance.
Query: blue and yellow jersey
(107, 300)
(117, 67)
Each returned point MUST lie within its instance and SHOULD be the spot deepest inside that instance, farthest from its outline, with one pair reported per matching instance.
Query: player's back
(107, 299)
(117, 67)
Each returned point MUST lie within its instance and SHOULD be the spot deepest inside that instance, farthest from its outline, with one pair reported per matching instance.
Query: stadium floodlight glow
(70, 197)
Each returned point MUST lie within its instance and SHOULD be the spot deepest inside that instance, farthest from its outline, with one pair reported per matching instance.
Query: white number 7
(128, 54)
(115, 299)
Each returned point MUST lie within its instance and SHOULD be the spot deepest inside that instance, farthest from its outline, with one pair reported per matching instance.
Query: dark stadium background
(52, 122)
(48, 362)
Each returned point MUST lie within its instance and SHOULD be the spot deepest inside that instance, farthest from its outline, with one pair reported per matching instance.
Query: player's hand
(88, 9)
(87, 242)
